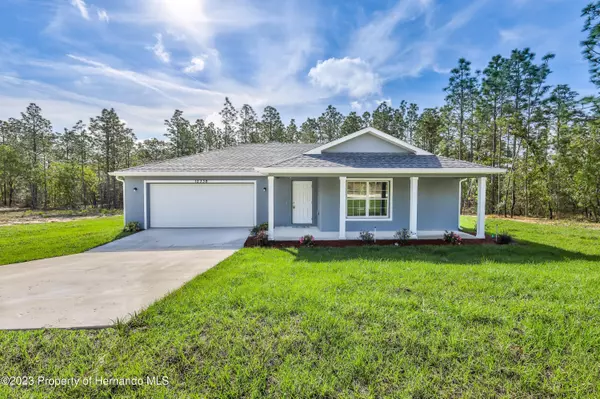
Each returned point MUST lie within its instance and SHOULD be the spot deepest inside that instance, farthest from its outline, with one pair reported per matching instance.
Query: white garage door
(202, 205)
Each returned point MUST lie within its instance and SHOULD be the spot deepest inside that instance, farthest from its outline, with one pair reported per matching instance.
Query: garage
(202, 203)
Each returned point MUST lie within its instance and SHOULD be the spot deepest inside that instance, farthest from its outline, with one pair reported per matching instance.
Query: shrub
(403, 236)
(259, 228)
(504, 238)
(261, 239)
(132, 227)
(367, 237)
(307, 240)
(452, 238)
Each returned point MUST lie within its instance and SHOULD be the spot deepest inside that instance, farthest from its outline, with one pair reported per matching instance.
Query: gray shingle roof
(240, 158)
(373, 160)
(246, 157)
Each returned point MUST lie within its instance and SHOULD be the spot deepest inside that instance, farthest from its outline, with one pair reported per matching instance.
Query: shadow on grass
(522, 252)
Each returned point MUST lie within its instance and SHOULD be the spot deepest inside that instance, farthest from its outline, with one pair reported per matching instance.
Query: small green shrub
(403, 236)
(452, 238)
(504, 238)
(261, 239)
(259, 228)
(132, 227)
(367, 237)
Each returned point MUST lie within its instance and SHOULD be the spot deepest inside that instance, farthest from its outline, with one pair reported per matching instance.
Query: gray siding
(329, 204)
(438, 204)
(134, 200)
(367, 143)
(437, 207)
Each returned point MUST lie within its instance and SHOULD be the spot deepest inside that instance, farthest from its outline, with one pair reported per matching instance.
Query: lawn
(475, 321)
(23, 242)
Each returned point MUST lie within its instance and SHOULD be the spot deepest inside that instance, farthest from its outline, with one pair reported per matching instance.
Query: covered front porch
(340, 207)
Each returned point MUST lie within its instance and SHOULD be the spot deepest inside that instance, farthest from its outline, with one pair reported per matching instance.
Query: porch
(340, 207)
(292, 233)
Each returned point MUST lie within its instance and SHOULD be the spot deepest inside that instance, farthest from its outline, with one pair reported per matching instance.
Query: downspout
(122, 180)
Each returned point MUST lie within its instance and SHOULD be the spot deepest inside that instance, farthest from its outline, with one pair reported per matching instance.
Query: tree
(36, 136)
(459, 92)
(309, 131)
(152, 150)
(291, 132)
(330, 123)
(428, 132)
(228, 119)
(383, 117)
(412, 117)
(182, 140)
(352, 123)
(247, 125)
(367, 121)
(271, 127)
(109, 133)
(591, 44)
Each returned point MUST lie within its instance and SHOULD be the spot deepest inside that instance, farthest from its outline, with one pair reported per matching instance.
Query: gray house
(368, 180)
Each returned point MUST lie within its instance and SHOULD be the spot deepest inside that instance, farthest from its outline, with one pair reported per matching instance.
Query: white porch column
(481, 208)
(342, 207)
(414, 194)
(271, 193)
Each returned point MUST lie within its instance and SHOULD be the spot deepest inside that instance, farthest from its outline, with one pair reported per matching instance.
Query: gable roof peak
(372, 131)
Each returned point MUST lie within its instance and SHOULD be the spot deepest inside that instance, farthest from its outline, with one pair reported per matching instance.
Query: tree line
(506, 115)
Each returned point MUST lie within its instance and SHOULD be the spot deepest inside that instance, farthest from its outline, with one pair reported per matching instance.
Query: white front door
(302, 202)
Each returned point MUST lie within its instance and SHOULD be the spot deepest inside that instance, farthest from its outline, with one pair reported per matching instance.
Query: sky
(146, 58)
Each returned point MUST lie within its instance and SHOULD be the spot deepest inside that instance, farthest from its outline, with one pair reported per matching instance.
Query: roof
(298, 159)
(373, 160)
(243, 158)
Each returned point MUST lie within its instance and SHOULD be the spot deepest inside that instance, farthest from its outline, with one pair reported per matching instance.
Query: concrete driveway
(94, 288)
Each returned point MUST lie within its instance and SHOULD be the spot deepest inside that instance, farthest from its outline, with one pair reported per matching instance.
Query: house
(367, 180)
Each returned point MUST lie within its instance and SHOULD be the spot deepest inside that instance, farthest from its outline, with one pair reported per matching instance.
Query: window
(368, 199)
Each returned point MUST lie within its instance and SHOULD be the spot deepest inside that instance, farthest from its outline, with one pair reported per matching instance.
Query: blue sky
(146, 58)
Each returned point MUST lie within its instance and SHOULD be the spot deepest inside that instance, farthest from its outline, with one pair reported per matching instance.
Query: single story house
(367, 180)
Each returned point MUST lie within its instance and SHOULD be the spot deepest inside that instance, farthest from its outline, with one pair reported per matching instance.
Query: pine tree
(352, 123)
(247, 125)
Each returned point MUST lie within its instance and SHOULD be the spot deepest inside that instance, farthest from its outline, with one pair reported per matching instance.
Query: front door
(302, 202)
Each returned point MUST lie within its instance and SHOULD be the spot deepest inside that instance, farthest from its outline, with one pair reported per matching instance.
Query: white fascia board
(382, 171)
(375, 132)
(176, 174)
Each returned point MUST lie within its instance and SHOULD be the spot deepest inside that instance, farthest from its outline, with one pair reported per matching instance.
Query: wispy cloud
(159, 49)
(103, 15)
(196, 65)
(82, 7)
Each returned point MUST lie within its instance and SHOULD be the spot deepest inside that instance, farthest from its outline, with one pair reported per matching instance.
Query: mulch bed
(251, 243)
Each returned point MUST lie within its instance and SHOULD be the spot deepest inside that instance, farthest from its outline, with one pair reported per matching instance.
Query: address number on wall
(201, 181)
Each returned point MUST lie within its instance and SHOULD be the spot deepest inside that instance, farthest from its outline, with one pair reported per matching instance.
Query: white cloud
(80, 4)
(196, 65)
(356, 105)
(351, 75)
(103, 15)
(159, 50)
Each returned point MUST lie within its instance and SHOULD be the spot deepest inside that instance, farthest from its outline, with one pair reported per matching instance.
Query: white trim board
(148, 182)
(377, 133)
(184, 174)
(430, 172)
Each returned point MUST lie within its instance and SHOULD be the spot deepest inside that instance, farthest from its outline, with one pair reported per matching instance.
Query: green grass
(475, 321)
(23, 242)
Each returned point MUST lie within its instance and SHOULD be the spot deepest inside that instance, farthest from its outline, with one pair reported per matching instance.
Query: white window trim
(389, 218)
(193, 181)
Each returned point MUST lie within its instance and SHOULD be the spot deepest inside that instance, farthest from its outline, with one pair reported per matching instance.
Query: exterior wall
(437, 206)
(437, 202)
(329, 204)
(366, 143)
(283, 199)
(134, 200)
